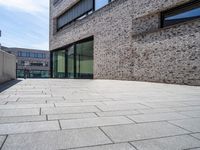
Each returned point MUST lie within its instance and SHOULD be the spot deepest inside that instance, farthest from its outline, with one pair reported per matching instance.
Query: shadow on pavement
(6, 85)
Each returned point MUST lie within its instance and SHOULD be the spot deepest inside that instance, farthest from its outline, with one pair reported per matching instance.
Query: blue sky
(24, 23)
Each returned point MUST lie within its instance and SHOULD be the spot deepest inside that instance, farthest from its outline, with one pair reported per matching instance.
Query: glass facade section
(59, 64)
(76, 61)
(32, 73)
(84, 60)
(70, 62)
(186, 12)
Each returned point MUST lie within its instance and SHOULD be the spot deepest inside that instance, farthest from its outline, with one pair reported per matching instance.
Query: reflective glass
(100, 3)
(84, 60)
(59, 64)
(185, 13)
(70, 62)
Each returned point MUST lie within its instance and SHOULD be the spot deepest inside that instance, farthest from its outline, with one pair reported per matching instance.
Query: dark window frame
(175, 10)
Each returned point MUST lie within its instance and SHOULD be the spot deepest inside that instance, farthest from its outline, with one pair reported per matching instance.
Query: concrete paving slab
(18, 106)
(131, 132)
(122, 146)
(157, 117)
(71, 116)
(2, 138)
(121, 107)
(197, 135)
(117, 113)
(75, 103)
(93, 122)
(19, 112)
(169, 143)
(191, 113)
(192, 125)
(28, 127)
(64, 139)
(22, 119)
(63, 110)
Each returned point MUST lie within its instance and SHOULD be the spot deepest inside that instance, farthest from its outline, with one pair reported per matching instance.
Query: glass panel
(100, 3)
(70, 62)
(59, 64)
(187, 12)
(84, 60)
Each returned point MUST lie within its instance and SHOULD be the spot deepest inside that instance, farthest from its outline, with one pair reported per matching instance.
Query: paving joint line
(3, 142)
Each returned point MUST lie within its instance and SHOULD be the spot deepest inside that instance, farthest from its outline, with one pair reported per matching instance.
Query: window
(27, 54)
(32, 55)
(78, 10)
(59, 64)
(55, 2)
(74, 61)
(19, 54)
(40, 55)
(180, 14)
(101, 3)
(23, 54)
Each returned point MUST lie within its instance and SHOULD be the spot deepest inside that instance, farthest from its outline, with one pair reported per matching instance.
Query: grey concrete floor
(54, 114)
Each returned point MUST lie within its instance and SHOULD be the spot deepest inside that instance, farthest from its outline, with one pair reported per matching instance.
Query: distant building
(34, 62)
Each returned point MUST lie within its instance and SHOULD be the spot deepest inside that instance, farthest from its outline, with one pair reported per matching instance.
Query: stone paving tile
(17, 106)
(10, 99)
(164, 104)
(64, 139)
(71, 116)
(131, 132)
(28, 127)
(22, 119)
(121, 107)
(197, 135)
(117, 113)
(77, 104)
(19, 112)
(188, 108)
(93, 122)
(121, 146)
(63, 110)
(169, 143)
(2, 138)
(188, 124)
(191, 113)
(156, 110)
(157, 117)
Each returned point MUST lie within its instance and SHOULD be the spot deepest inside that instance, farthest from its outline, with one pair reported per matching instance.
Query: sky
(25, 23)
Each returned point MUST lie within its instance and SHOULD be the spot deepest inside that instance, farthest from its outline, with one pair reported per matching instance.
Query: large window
(84, 60)
(101, 3)
(180, 14)
(76, 61)
(59, 64)
(80, 11)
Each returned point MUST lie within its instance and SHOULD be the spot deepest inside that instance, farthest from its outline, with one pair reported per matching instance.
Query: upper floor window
(101, 3)
(180, 14)
(55, 2)
(79, 11)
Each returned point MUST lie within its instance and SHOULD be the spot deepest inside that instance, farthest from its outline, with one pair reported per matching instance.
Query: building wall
(7, 67)
(129, 43)
(31, 68)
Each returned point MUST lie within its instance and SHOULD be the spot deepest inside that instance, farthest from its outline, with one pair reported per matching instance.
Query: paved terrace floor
(99, 115)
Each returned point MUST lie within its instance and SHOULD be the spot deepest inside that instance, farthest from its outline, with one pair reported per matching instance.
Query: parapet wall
(7, 67)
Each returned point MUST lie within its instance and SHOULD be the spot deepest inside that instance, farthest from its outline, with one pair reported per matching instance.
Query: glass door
(70, 62)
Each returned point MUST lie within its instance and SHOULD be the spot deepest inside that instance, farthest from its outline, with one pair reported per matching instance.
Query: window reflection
(183, 13)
